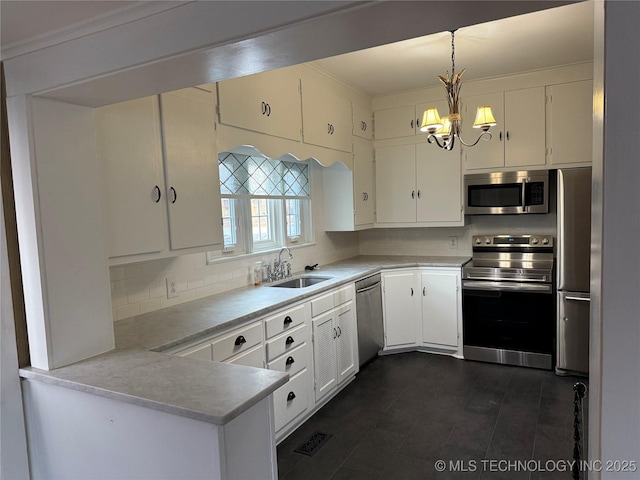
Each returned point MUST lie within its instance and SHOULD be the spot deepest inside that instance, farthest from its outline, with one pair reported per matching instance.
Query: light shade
(444, 132)
(430, 120)
(484, 118)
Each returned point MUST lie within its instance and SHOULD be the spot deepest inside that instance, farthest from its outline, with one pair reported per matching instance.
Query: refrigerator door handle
(579, 299)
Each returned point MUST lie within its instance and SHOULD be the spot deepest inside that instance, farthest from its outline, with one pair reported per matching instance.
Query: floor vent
(313, 444)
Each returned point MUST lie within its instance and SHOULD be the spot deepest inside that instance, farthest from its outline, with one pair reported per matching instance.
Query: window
(265, 203)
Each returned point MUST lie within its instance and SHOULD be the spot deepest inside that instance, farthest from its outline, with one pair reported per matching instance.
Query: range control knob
(478, 241)
(534, 240)
(545, 241)
(487, 241)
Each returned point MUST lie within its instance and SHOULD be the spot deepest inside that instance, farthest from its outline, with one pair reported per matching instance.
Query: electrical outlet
(453, 243)
(172, 286)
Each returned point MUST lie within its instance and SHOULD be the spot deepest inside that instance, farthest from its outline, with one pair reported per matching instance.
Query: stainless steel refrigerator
(573, 266)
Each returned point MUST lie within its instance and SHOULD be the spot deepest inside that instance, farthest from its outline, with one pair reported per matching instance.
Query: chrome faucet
(282, 269)
(282, 250)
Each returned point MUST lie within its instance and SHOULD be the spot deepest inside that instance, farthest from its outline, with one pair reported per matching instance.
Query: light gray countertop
(208, 391)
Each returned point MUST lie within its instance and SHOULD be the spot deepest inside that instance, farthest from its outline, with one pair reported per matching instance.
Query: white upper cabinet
(570, 123)
(141, 186)
(267, 102)
(438, 184)
(518, 139)
(191, 164)
(130, 149)
(362, 121)
(396, 184)
(418, 185)
(396, 122)
(349, 201)
(326, 116)
(363, 180)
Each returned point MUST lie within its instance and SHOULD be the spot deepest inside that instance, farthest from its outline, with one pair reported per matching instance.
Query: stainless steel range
(508, 302)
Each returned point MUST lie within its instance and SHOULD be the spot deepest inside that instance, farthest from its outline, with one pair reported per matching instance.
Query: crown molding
(120, 16)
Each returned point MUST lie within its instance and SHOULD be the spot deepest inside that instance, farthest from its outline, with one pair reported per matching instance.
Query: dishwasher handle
(366, 289)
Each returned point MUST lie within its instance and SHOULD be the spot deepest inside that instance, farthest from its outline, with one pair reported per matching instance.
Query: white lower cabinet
(422, 308)
(288, 350)
(401, 308)
(335, 348)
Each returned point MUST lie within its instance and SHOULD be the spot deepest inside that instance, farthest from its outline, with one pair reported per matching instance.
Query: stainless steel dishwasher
(369, 313)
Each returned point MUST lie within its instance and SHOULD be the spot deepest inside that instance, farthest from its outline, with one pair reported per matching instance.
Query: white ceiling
(557, 36)
(552, 37)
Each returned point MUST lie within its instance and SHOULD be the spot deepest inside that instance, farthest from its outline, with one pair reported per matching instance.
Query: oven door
(509, 322)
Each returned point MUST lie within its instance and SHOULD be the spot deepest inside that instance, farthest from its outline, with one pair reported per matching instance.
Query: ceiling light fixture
(444, 130)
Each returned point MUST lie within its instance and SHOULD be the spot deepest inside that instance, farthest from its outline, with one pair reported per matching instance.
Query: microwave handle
(524, 195)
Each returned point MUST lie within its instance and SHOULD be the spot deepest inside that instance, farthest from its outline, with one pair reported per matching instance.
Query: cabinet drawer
(343, 295)
(250, 358)
(286, 342)
(202, 351)
(291, 399)
(292, 362)
(321, 305)
(238, 341)
(284, 321)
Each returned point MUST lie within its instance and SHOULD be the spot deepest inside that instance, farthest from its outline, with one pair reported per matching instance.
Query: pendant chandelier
(444, 130)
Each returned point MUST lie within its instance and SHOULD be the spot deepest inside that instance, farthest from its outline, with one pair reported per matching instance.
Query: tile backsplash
(141, 287)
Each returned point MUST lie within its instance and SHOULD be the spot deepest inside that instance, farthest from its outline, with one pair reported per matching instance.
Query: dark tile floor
(406, 411)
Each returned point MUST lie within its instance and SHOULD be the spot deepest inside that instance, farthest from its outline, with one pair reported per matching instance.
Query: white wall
(615, 389)
(13, 442)
(141, 287)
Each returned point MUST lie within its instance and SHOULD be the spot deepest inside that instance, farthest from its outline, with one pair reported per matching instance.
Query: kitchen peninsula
(144, 401)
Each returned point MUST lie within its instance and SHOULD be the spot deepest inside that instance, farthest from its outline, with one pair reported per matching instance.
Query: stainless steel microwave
(506, 193)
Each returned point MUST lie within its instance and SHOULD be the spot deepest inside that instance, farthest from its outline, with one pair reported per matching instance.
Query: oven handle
(507, 287)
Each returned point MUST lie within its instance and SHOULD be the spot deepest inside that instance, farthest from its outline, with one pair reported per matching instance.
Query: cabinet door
(347, 346)
(266, 102)
(396, 184)
(486, 154)
(440, 307)
(525, 129)
(439, 183)
(362, 121)
(324, 354)
(191, 164)
(326, 117)
(570, 122)
(395, 122)
(130, 149)
(401, 308)
(364, 197)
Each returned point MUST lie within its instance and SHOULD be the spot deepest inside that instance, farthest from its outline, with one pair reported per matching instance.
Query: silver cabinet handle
(579, 299)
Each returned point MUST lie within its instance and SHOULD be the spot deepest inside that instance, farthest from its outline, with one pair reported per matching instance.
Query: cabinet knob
(290, 361)
(291, 396)
(287, 320)
(175, 195)
(289, 341)
(240, 340)
(157, 189)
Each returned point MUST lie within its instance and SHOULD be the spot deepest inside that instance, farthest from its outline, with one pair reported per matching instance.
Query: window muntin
(266, 203)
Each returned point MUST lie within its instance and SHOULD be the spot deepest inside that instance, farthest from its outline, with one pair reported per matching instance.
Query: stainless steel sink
(299, 282)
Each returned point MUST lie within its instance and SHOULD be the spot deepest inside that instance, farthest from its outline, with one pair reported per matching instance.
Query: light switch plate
(172, 286)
